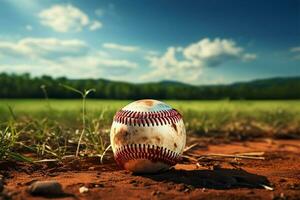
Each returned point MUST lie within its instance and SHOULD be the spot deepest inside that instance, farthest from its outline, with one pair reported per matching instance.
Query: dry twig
(190, 147)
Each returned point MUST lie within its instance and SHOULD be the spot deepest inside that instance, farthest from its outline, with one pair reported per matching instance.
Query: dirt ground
(209, 179)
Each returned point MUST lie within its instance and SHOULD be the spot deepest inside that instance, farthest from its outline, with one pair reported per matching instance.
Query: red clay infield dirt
(212, 178)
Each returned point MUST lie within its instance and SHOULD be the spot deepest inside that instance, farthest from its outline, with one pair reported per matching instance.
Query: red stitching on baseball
(142, 151)
(147, 118)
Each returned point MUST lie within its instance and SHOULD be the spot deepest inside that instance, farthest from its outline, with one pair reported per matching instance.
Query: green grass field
(202, 115)
(52, 128)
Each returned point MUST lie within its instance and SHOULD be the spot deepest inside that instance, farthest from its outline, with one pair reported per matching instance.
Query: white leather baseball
(147, 136)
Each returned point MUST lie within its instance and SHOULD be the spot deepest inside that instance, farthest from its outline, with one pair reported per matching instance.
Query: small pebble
(46, 188)
(154, 193)
(83, 189)
(186, 190)
(294, 186)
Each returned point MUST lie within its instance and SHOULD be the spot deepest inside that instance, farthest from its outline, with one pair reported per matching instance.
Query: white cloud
(55, 57)
(65, 18)
(29, 27)
(186, 63)
(95, 25)
(97, 60)
(249, 56)
(207, 49)
(89, 66)
(39, 47)
(296, 52)
(295, 49)
(120, 47)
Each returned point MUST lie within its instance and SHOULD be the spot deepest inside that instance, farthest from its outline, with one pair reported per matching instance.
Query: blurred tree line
(25, 86)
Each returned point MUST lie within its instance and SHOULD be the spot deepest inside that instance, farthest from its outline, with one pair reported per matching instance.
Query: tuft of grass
(84, 95)
(8, 141)
(47, 138)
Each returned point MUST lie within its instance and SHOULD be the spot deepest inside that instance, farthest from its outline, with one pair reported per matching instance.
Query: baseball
(147, 136)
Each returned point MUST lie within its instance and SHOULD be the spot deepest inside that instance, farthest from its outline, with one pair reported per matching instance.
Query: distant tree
(25, 86)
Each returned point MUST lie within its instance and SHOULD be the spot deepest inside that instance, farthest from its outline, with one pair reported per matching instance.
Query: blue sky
(197, 42)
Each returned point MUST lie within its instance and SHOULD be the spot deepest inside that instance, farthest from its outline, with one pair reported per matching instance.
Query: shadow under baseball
(213, 179)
